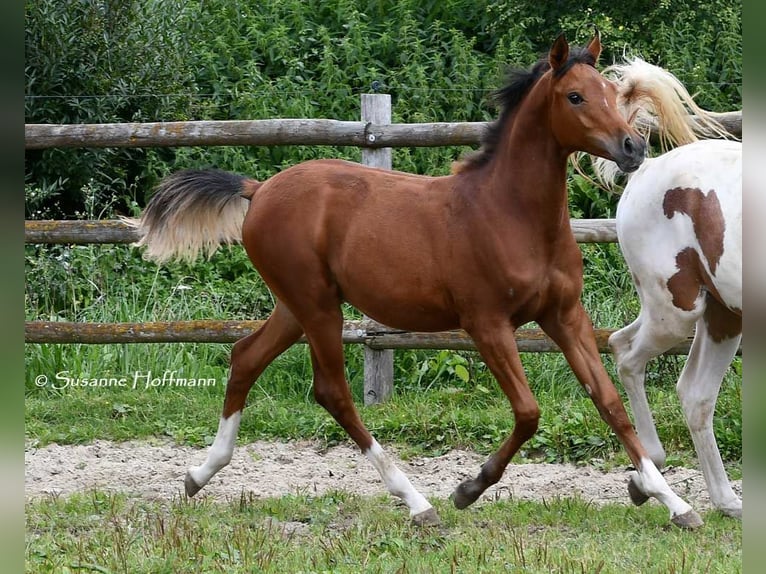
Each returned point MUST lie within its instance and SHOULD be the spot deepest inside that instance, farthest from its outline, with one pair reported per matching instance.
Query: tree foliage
(93, 61)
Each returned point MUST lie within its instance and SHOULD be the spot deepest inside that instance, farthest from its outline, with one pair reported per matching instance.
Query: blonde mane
(654, 100)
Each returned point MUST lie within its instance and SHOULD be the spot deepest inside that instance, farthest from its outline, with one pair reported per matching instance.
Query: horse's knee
(240, 346)
(698, 413)
(239, 352)
(243, 366)
(629, 368)
(322, 396)
(619, 342)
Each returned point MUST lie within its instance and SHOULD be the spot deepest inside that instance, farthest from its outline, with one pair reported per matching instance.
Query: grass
(339, 532)
(442, 400)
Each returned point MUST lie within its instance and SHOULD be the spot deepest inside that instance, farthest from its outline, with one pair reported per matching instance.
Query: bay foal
(486, 249)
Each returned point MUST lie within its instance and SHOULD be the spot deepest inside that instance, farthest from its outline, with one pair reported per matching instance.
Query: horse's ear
(559, 53)
(594, 46)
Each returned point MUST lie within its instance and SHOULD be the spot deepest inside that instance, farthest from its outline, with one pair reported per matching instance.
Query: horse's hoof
(426, 518)
(190, 486)
(637, 496)
(465, 494)
(732, 512)
(688, 521)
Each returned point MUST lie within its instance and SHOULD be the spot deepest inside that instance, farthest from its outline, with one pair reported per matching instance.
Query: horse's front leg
(496, 342)
(572, 330)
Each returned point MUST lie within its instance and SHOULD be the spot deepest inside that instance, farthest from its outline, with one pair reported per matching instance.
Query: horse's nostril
(628, 145)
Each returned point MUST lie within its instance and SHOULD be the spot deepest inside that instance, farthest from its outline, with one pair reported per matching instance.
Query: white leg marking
(653, 484)
(395, 480)
(220, 451)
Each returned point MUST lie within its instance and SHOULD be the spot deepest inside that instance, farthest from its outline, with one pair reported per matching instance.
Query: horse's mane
(652, 97)
(508, 98)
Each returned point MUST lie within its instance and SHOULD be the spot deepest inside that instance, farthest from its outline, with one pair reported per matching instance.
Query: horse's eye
(575, 98)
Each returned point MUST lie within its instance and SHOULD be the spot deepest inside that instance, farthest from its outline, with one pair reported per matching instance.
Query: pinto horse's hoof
(466, 493)
(426, 518)
(637, 496)
(732, 512)
(688, 520)
(190, 486)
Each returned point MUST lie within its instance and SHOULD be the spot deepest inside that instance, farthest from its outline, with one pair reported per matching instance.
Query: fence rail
(254, 133)
(364, 332)
(274, 132)
(117, 231)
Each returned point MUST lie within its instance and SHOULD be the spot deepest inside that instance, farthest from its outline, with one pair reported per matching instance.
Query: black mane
(509, 97)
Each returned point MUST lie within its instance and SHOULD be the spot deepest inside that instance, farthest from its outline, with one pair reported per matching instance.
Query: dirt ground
(271, 469)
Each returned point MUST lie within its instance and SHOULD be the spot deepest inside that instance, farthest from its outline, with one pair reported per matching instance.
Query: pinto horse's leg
(249, 357)
(633, 347)
(698, 388)
(497, 345)
(572, 330)
(332, 392)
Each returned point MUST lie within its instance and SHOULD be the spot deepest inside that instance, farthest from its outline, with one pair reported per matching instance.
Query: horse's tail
(193, 211)
(653, 98)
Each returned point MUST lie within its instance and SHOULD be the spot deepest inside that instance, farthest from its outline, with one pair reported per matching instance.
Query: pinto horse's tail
(192, 212)
(650, 97)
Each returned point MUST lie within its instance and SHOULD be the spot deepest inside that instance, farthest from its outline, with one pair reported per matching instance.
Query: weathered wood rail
(274, 132)
(117, 231)
(361, 332)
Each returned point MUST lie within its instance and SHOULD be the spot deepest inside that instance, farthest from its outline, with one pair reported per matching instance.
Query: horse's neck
(529, 171)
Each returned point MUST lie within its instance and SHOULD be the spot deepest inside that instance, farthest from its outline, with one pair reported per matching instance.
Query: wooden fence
(373, 134)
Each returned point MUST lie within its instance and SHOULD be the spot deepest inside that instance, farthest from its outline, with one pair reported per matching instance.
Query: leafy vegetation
(130, 61)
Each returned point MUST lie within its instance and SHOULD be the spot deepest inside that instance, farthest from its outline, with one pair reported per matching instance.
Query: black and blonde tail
(193, 212)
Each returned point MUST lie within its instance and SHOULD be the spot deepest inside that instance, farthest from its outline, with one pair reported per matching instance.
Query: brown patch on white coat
(692, 277)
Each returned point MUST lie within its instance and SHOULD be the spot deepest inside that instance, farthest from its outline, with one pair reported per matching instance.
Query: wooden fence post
(378, 364)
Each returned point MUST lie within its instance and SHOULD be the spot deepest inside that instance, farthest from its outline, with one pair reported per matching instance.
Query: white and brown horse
(679, 225)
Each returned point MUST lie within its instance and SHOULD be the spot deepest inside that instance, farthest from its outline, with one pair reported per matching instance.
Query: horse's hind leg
(635, 345)
(249, 357)
(698, 389)
(331, 391)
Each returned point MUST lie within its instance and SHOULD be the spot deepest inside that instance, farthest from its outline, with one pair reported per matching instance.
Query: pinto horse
(486, 249)
(679, 225)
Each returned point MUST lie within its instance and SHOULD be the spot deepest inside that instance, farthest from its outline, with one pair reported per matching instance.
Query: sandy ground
(272, 469)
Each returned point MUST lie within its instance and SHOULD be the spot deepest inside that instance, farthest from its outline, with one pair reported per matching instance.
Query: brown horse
(486, 249)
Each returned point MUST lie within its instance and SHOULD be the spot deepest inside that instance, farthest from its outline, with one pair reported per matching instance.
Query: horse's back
(685, 207)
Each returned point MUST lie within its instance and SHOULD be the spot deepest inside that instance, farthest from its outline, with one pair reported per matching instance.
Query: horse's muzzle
(632, 153)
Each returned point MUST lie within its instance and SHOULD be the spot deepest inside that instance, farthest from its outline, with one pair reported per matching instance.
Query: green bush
(130, 61)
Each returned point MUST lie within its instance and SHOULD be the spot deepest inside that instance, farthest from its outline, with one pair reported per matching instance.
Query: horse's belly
(402, 306)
